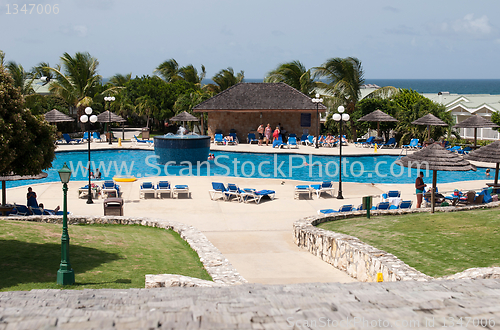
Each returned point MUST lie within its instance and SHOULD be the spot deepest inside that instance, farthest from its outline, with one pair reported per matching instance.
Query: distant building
(466, 105)
(244, 106)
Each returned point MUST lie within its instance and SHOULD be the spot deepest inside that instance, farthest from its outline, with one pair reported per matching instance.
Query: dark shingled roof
(377, 115)
(56, 116)
(437, 158)
(184, 116)
(258, 97)
(429, 119)
(475, 122)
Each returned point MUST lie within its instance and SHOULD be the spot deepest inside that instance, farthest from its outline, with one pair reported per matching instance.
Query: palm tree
(145, 106)
(168, 70)
(77, 81)
(295, 75)
(22, 79)
(345, 76)
(190, 74)
(119, 80)
(224, 79)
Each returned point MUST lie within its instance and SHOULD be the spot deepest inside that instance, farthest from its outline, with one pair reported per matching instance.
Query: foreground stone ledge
(221, 270)
(363, 261)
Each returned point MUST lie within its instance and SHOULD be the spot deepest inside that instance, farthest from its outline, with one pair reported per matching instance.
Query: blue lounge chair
(381, 206)
(147, 188)
(85, 136)
(413, 144)
(138, 141)
(344, 208)
(301, 190)
(219, 139)
(22, 210)
(249, 195)
(233, 191)
(163, 187)
(464, 151)
(251, 138)
(69, 140)
(181, 189)
(390, 143)
(368, 142)
(96, 136)
(217, 188)
(303, 139)
(394, 193)
(109, 186)
(235, 139)
(292, 142)
(402, 205)
(310, 140)
(325, 186)
(455, 149)
(279, 142)
(36, 210)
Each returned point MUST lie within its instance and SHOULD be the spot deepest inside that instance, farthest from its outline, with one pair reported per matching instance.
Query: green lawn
(436, 244)
(102, 256)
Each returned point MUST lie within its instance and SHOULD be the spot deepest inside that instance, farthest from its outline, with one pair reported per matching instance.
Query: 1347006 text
(32, 8)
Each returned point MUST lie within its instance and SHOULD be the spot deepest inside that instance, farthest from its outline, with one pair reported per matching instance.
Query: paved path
(399, 305)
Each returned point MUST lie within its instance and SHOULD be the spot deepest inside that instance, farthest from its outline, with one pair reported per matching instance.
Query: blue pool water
(141, 163)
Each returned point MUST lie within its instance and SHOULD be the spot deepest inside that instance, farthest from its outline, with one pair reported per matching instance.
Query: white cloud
(473, 26)
(74, 31)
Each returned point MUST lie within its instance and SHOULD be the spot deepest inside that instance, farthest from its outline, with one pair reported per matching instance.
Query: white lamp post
(84, 119)
(317, 100)
(109, 99)
(340, 117)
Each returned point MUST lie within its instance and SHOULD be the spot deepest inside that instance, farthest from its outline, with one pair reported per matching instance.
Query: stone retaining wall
(215, 263)
(358, 259)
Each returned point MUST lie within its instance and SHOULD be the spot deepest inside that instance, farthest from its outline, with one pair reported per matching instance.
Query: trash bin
(367, 205)
(145, 133)
(113, 206)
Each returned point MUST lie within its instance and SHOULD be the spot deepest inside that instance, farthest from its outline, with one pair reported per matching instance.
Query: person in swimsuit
(268, 133)
(31, 198)
(260, 130)
(419, 188)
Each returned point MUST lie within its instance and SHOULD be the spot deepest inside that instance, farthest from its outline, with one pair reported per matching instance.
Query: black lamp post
(65, 274)
(84, 119)
(317, 100)
(109, 99)
(341, 117)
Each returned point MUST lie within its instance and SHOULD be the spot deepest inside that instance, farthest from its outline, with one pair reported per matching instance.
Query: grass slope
(436, 244)
(102, 256)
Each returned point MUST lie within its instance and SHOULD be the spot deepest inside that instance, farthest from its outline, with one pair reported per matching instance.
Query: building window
(305, 120)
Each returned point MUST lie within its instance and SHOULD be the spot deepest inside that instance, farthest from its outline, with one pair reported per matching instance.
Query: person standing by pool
(419, 187)
(276, 134)
(260, 130)
(268, 133)
(31, 198)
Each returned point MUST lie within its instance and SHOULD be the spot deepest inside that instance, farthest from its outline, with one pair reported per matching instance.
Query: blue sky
(422, 39)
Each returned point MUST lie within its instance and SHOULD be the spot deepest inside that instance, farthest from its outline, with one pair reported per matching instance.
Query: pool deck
(256, 239)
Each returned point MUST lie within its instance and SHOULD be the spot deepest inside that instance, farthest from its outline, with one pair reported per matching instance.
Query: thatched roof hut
(109, 117)
(435, 158)
(476, 122)
(378, 116)
(429, 120)
(56, 116)
(487, 154)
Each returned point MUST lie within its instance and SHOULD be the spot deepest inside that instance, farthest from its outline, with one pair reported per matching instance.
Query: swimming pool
(142, 163)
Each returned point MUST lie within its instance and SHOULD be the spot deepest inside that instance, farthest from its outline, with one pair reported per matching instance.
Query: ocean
(454, 86)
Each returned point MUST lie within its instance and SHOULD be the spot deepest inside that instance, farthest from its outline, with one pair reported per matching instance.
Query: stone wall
(360, 260)
(246, 122)
(215, 263)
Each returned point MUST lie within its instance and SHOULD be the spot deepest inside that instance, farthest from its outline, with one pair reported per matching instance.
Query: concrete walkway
(257, 239)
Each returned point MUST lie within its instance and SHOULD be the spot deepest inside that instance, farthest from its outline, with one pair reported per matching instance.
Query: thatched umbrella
(184, 116)
(377, 116)
(487, 154)
(110, 117)
(476, 122)
(55, 116)
(435, 158)
(429, 120)
(14, 177)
